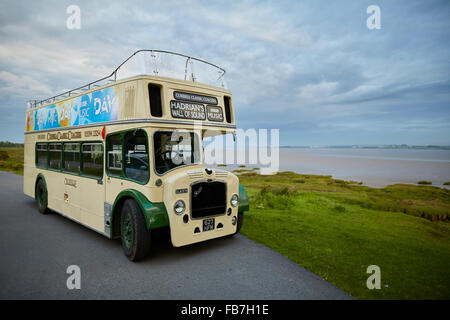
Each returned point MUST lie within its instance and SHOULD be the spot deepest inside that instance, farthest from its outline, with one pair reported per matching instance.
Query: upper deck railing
(152, 62)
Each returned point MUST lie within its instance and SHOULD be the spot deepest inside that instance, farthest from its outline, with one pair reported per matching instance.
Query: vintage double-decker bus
(123, 155)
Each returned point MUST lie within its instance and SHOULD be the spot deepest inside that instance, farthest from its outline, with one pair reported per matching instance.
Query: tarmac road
(36, 249)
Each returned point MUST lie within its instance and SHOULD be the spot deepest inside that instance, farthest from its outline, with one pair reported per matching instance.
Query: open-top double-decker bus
(123, 155)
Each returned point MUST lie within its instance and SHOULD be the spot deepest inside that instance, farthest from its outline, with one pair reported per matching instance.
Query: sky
(312, 69)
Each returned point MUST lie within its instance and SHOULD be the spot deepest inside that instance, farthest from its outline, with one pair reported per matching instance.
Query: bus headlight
(234, 200)
(179, 207)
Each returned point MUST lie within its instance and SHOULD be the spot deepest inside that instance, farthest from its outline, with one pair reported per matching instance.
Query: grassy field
(337, 229)
(11, 159)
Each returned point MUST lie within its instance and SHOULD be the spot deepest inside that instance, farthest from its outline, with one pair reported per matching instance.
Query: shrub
(286, 191)
(339, 208)
(424, 182)
(276, 199)
(4, 155)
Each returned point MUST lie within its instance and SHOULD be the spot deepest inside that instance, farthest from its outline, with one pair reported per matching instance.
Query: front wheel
(240, 221)
(41, 197)
(134, 234)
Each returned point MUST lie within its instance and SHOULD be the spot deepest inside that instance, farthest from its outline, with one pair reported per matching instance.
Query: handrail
(35, 103)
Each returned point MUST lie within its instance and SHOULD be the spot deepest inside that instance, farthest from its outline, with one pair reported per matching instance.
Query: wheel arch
(155, 214)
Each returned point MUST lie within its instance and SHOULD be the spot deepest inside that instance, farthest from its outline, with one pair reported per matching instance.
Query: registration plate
(208, 224)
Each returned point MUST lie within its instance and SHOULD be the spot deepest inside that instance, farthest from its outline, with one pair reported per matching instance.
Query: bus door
(91, 186)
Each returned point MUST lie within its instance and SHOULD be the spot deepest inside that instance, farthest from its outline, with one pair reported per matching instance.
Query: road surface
(36, 250)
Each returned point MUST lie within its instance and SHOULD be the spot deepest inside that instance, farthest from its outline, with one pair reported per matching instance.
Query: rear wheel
(135, 236)
(41, 197)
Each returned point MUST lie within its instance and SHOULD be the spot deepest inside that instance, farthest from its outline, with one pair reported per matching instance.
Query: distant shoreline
(403, 147)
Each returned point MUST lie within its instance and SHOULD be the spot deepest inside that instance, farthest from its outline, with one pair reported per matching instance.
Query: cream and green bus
(123, 155)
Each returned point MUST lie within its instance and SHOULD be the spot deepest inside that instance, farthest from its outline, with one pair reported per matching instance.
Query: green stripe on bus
(155, 214)
(243, 199)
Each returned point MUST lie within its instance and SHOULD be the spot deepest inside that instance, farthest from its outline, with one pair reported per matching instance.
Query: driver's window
(173, 149)
(136, 156)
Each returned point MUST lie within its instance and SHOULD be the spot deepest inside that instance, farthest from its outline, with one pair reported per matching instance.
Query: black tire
(136, 239)
(42, 197)
(240, 221)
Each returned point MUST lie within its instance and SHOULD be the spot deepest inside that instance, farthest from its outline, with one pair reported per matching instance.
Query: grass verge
(337, 229)
(11, 159)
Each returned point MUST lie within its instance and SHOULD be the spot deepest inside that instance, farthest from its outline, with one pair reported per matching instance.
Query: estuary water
(373, 167)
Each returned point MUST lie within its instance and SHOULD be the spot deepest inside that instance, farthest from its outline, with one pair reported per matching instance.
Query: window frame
(161, 98)
(63, 168)
(228, 109)
(80, 172)
(181, 166)
(122, 141)
(61, 154)
(113, 175)
(82, 160)
(36, 155)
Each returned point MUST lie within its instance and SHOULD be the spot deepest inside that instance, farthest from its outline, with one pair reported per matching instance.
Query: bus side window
(136, 156)
(41, 155)
(54, 156)
(114, 157)
(154, 92)
(72, 157)
(92, 159)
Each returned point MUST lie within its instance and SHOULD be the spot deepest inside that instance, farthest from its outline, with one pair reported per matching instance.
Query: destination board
(191, 97)
(214, 113)
(187, 110)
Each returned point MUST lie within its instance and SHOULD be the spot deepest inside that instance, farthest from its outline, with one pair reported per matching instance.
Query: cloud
(264, 23)
(43, 59)
(311, 69)
(16, 86)
(313, 93)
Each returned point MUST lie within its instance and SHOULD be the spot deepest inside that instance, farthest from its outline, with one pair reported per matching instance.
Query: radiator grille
(208, 199)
